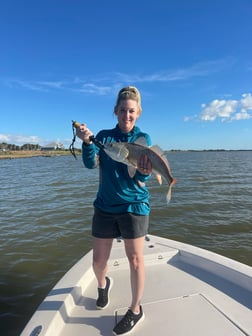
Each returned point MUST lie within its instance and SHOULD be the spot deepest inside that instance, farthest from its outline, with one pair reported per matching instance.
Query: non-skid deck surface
(175, 303)
(188, 292)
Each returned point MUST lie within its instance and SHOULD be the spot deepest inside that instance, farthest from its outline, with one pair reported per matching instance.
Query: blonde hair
(129, 92)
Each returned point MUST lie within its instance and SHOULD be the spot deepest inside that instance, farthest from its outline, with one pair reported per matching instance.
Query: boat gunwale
(73, 284)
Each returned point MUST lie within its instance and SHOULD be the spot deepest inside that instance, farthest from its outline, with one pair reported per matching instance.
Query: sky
(63, 60)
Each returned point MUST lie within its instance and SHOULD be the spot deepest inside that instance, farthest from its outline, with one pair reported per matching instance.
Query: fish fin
(159, 178)
(174, 181)
(141, 141)
(140, 184)
(168, 196)
(160, 152)
(157, 150)
(131, 171)
(163, 156)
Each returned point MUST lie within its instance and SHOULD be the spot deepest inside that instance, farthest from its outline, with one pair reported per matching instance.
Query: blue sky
(191, 59)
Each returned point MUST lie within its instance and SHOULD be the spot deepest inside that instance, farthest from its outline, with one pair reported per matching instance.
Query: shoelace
(129, 316)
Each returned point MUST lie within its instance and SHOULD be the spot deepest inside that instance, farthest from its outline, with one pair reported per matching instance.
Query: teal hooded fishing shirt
(118, 192)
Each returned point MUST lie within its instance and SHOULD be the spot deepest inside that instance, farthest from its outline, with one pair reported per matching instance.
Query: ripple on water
(46, 213)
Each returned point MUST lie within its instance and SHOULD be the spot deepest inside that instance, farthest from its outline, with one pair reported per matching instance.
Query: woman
(121, 207)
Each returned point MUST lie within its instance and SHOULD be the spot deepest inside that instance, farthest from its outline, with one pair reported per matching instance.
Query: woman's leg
(134, 250)
(101, 253)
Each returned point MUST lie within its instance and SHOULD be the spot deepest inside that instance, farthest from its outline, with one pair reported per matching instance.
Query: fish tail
(168, 196)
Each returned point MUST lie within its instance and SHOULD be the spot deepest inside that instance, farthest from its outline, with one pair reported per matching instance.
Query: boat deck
(188, 291)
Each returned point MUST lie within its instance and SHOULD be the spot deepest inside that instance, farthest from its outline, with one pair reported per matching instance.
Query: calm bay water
(46, 211)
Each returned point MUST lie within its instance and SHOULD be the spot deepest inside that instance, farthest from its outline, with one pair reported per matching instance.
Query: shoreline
(30, 153)
(8, 155)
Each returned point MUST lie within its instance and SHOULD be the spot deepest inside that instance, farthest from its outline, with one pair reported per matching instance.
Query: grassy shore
(30, 153)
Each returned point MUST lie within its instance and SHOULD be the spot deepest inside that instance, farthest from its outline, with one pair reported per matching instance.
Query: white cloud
(95, 89)
(241, 116)
(199, 69)
(190, 118)
(19, 139)
(226, 110)
(53, 85)
(28, 85)
(96, 83)
(4, 138)
(218, 109)
(246, 101)
(34, 85)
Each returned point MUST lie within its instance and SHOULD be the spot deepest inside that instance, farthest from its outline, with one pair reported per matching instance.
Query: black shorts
(126, 225)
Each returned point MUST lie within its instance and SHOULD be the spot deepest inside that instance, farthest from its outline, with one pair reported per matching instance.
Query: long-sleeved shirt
(118, 192)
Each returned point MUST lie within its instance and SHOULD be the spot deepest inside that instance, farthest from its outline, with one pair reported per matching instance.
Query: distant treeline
(12, 147)
(4, 146)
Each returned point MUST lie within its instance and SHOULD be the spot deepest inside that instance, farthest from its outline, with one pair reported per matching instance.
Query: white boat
(188, 291)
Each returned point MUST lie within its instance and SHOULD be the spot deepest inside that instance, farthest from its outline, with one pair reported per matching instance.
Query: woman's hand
(144, 165)
(84, 133)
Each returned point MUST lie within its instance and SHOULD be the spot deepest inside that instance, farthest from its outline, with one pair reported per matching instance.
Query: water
(46, 211)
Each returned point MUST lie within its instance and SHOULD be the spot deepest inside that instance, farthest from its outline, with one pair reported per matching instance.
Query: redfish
(129, 154)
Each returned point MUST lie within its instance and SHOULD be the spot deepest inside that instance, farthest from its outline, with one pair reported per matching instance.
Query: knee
(136, 261)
